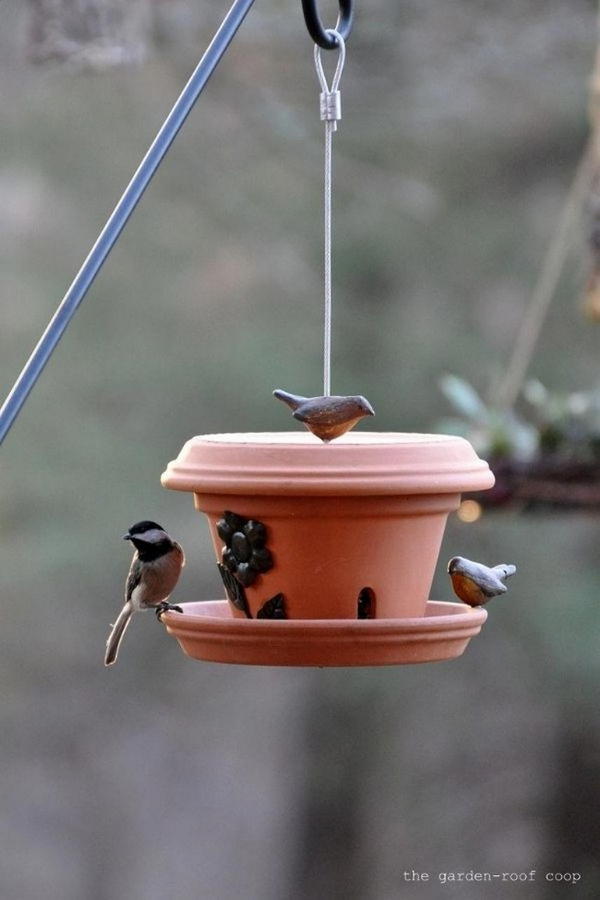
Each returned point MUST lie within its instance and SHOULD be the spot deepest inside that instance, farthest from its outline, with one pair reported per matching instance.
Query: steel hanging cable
(331, 113)
(120, 216)
(329, 129)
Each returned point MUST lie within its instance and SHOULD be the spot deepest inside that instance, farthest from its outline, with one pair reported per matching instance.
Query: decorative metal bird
(327, 417)
(475, 583)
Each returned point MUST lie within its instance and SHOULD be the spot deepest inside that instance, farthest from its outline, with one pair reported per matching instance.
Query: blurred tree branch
(89, 33)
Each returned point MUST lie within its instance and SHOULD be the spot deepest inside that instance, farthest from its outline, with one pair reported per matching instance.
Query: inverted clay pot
(347, 530)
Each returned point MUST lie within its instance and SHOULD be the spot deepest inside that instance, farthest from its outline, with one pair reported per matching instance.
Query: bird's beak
(127, 537)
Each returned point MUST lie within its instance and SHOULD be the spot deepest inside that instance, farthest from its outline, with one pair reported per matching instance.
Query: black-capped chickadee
(154, 572)
(475, 583)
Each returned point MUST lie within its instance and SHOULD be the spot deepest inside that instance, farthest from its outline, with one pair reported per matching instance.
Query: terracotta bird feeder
(327, 551)
(326, 540)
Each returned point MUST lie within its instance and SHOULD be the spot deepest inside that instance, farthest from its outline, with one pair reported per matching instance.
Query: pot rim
(298, 464)
(216, 614)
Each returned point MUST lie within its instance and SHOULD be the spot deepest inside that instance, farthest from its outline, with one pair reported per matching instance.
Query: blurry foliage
(88, 34)
(564, 425)
(568, 424)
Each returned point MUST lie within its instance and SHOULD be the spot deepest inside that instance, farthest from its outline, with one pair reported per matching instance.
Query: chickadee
(154, 572)
(475, 583)
(327, 417)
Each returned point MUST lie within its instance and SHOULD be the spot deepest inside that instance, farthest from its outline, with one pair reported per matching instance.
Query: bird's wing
(493, 586)
(322, 410)
(486, 578)
(134, 577)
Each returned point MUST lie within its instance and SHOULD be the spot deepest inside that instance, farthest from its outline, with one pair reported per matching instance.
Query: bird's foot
(166, 607)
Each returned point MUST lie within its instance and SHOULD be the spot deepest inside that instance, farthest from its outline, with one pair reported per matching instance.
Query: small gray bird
(475, 583)
(155, 569)
(327, 417)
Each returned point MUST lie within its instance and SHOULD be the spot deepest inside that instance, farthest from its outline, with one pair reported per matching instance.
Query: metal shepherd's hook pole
(117, 221)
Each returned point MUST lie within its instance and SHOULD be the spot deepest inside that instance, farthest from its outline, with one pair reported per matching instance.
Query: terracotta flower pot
(347, 530)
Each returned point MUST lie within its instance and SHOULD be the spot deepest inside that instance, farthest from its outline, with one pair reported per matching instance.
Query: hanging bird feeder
(326, 539)
(327, 551)
(326, 542)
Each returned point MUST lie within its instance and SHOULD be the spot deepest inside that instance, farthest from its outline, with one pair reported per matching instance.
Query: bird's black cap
(140, 528)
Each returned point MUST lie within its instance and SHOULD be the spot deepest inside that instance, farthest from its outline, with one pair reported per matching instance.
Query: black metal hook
(318, 32)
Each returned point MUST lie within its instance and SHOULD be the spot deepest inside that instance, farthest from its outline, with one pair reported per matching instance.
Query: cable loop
(338, 37)
(325, 37)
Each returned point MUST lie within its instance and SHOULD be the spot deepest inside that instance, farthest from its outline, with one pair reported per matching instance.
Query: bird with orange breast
(474, 583)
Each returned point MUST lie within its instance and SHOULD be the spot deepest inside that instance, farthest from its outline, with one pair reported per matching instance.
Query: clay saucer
(208, 631)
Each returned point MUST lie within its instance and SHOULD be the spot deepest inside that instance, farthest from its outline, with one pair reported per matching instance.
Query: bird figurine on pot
(327, 417)
(154, 572)
(474, 583)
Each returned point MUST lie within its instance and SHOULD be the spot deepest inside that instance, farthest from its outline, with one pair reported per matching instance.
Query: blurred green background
(463, 124)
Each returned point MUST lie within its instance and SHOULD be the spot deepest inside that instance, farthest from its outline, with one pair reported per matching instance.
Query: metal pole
(117, 221)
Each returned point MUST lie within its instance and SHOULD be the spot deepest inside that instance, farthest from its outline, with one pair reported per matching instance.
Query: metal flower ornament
(244, 557)
(245, 554)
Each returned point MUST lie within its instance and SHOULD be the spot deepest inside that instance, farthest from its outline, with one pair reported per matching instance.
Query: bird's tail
(505, 570)
(116, 635)
(292, 400)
